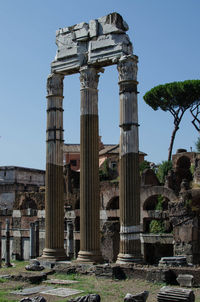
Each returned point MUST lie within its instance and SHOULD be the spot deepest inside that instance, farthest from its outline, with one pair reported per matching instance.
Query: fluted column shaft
(54, 196)
(130, 250)
(89, 168)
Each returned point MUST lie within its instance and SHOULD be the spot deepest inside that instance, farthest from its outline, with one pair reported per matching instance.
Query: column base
(89, 257)
(54, 254)
(128, 259)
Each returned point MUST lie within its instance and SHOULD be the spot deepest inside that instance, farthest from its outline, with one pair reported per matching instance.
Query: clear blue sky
(165, 36)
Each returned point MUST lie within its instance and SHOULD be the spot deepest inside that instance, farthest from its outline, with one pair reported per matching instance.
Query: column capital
(55, 85)
(127, 68)
(89, 77)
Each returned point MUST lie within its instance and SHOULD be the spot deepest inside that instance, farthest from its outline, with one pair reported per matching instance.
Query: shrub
(144, 165)
(159, 205)
(156, 227)
(163, 170)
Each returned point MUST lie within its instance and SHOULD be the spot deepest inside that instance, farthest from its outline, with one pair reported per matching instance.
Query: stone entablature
(100, 43)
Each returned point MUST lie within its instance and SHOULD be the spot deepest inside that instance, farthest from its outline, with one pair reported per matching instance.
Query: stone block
(93, 28)
(141, 297)
(175, 294)
(77, 46)
(61, 292)
(173, 261)
(185, 280)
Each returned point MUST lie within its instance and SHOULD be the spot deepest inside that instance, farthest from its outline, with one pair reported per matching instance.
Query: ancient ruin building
(175, 216)
(94, 214)
(18, 179)
(21, 202)
(87, 48)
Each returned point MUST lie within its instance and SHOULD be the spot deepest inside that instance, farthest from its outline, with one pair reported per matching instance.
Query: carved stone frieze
(127, 68)
(89, 78)
(55, 84)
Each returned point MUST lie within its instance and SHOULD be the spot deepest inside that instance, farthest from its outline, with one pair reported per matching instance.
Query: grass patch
(4, 297)
(2, 280)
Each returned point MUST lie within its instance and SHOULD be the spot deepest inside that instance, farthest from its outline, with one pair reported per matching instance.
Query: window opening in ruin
(156, 220)
(153, 252)
(77, 204)
(113, 204)
(113, 165)
(4, 173)
(77, 224)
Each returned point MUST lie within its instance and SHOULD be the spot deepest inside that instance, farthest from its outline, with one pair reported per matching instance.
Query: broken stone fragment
(88, 298)
(34, 299)
(141, 297)
(34, 267)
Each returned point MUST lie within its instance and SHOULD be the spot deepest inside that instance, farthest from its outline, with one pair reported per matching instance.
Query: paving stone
(5, 276)
(59, 281)
(61, 292)
(32, 290)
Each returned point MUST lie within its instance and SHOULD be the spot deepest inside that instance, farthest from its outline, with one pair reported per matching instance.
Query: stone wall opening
(113, 204)
(154, 252)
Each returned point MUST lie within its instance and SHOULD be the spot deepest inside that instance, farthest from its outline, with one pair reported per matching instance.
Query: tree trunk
(172, 141)
(177, 120)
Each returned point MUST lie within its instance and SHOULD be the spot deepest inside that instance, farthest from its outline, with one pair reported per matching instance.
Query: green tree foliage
(156, 227)
(159, 205)
(163, 169)
(197, 144)
(175, 97)
(144, 165)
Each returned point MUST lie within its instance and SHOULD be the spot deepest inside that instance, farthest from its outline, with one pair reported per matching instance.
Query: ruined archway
(113, 203)
(157, 238)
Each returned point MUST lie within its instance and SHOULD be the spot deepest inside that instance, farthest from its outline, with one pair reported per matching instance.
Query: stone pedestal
(89, 169)
(54, 196)
(130, 246)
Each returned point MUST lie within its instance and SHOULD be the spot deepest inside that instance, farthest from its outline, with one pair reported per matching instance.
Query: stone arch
(151, 202)
(27, 203)
(149, 191)
(113, 203)
(157, 238)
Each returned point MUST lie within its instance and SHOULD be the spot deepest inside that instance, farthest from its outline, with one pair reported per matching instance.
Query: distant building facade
(18, 179)
(106, 151)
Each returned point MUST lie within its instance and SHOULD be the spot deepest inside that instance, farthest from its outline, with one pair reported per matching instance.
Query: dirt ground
(109, 290)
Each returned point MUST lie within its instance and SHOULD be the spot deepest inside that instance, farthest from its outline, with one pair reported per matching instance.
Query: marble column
(130, 246)
(32, 240)
(89, 168)
(54, 196)
(7, 254)
(37, 238)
